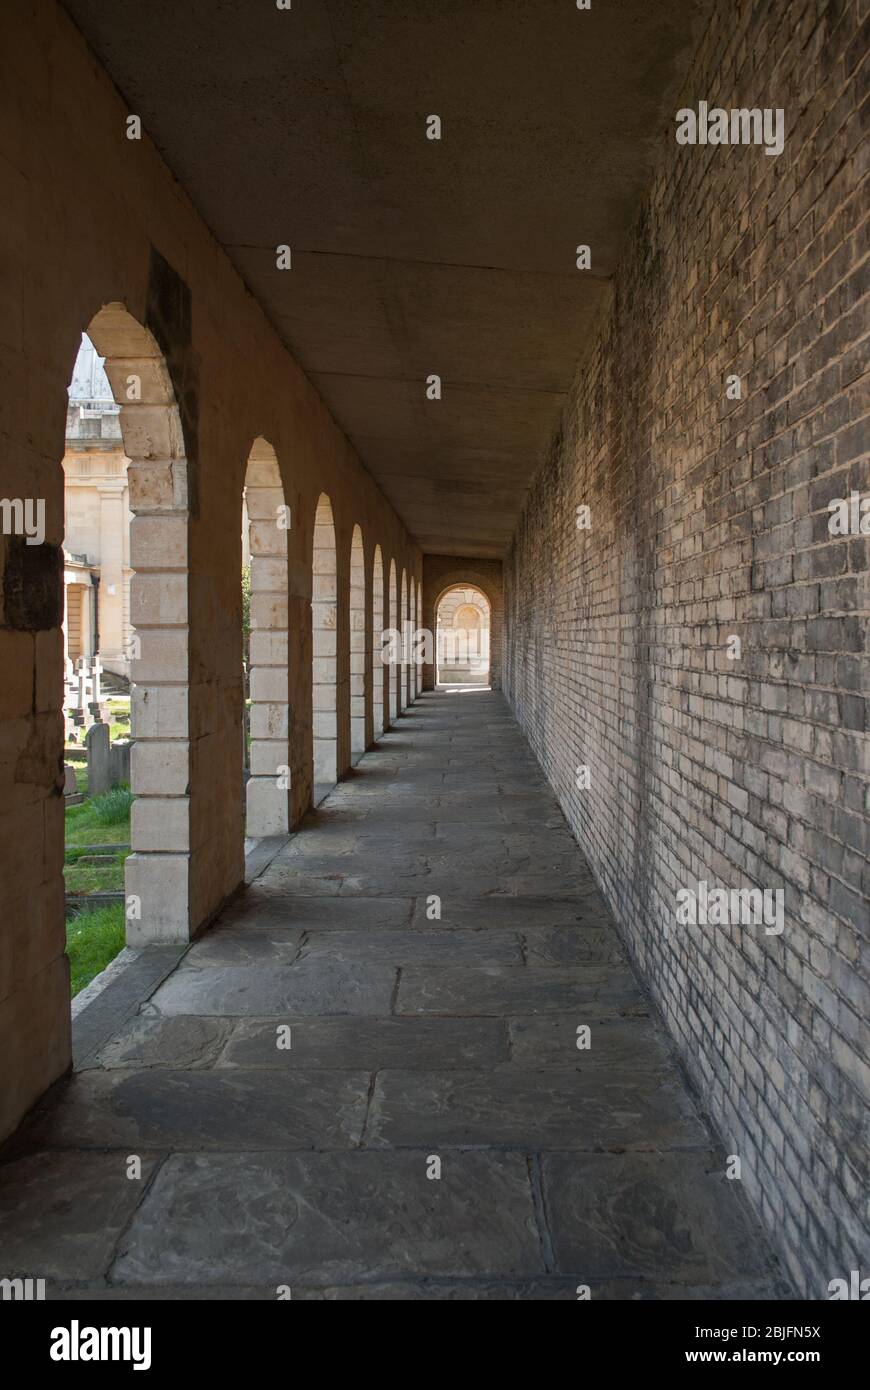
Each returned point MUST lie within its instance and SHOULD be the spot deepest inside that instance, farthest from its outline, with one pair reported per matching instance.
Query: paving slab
(230, 1109)
(669, 1217)
(516, 914)
(316, 986)
(294, 910)
(437, 946)
(326, 1218)
(533, 1110)
(634, 1044)
(61, 1214)
(371, 1043)
(223, 946)
(574, 946)
(495, 991)
(149, 1040)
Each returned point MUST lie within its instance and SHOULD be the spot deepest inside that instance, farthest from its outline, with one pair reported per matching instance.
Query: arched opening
(140, 619)
(393, 670)
(324, 653)
(403, 630)
(462, 632)
(378, 673)
(357, 644)
(97, 653)
(266, 722)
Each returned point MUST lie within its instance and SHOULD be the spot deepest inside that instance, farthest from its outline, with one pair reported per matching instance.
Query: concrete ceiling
(411, 256)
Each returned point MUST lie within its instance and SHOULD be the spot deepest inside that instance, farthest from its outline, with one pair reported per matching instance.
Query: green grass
(93, 939)
(93, 878)
(112, 806)
(100, 820)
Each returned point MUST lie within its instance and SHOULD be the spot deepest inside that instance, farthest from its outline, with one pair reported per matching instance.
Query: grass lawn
(101, 820)
(119, 714)
(93, 939)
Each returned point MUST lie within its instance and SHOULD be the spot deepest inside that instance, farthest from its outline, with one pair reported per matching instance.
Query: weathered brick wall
(439, 572)
(709, 518)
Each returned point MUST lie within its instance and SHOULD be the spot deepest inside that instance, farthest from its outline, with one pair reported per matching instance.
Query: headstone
(119, 761)
(99, 759)
(70, 786)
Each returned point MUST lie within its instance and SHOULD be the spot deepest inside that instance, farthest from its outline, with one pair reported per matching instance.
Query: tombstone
(99, 759)
(70, 786)
(119, 761)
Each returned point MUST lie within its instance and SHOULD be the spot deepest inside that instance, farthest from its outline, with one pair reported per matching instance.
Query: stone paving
(412, 1039)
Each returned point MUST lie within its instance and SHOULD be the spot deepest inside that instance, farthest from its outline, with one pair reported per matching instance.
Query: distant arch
(463, 622)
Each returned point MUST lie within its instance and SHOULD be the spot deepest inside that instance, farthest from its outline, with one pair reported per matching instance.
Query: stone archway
(443, 572)
(158, 867)
(462, 630)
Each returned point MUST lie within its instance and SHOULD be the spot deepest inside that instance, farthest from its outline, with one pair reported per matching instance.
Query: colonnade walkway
(336, 1093)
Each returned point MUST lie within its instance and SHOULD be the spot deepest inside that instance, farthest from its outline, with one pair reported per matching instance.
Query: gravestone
(99, 749)
(119, 761)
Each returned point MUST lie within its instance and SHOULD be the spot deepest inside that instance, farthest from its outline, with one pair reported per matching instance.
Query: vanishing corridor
(411, 1040)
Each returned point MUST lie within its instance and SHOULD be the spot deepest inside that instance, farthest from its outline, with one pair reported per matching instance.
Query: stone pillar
(268, 788)
(113, 526)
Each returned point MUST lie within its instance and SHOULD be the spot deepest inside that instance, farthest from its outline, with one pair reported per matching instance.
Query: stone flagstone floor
(411, 1040)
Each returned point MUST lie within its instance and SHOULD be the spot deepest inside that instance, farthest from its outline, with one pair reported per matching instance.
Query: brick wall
(439, 572)
(709, 519)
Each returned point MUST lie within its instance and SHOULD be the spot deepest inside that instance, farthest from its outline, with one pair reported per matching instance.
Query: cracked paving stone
(322, 1219)
(61, 1213)
(663, 1216)
(153, 1041)
(574, 946)
(227, 1109)
(499, 990)
(295, 911)
(434, 947)
(372, 1043)
(222, 946)
(627, 1044)
(532, 1110)
(517, 914)
(316, 986)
